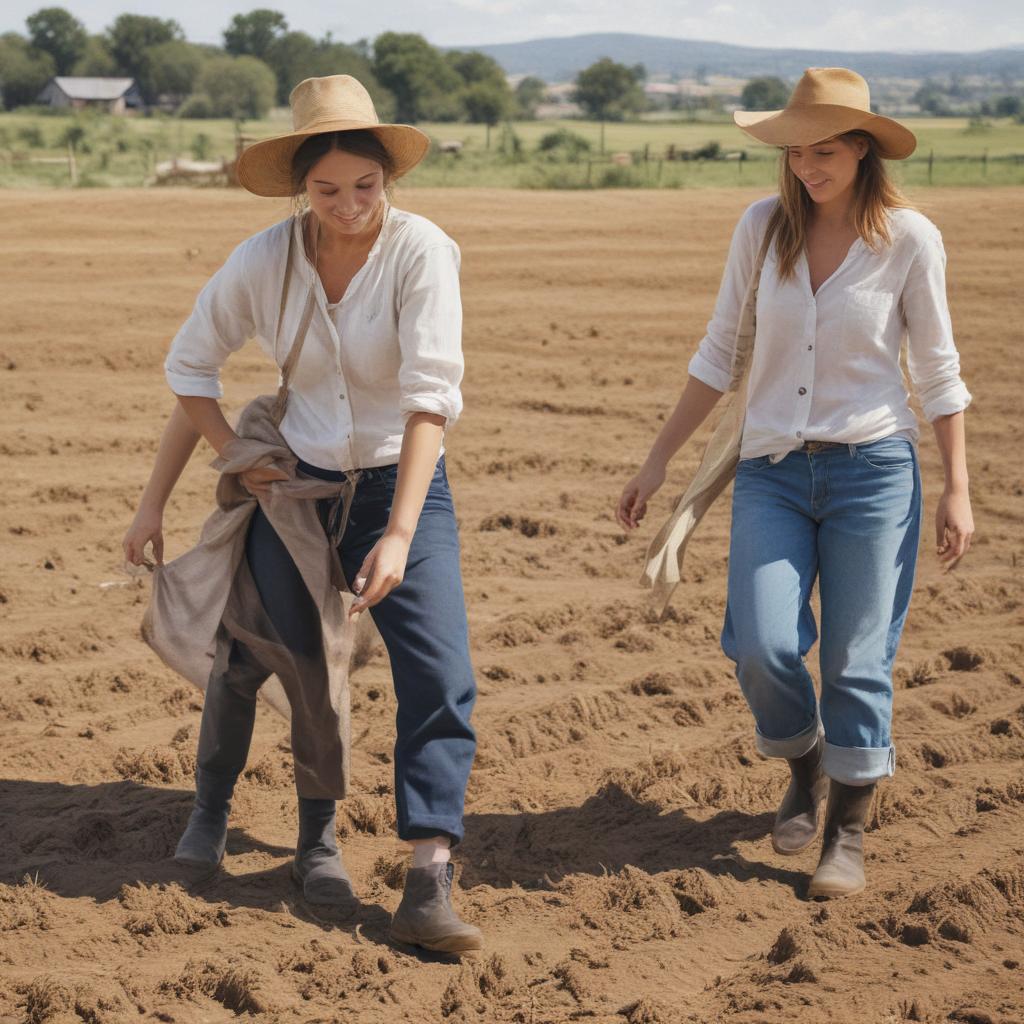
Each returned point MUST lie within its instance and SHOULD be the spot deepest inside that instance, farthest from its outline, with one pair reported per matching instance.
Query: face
(344, 191)
(828, 169)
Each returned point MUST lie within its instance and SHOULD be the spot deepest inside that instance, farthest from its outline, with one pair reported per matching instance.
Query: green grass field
(114, 151)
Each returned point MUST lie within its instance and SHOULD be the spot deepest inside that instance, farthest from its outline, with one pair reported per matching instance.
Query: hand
(382, 570)
(954, 526)
(257, 481)
(633, 503)
(147, 526)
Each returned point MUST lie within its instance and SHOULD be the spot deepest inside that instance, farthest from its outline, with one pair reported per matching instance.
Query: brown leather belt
(817, 446)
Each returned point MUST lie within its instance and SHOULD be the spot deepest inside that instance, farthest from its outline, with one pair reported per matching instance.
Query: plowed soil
(617, 852)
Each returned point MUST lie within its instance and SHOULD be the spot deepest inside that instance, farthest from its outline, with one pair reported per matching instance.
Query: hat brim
(805, 126)
(265, 168)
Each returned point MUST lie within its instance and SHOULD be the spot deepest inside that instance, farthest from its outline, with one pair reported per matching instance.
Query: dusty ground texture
(617, 853)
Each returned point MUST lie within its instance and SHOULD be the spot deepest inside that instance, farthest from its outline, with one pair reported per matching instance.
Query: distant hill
(558, 60)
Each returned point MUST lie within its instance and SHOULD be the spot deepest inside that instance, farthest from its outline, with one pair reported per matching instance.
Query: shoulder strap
(281, 402)
(746, 327)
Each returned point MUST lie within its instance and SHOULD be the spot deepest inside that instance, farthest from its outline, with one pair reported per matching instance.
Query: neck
(836, 212)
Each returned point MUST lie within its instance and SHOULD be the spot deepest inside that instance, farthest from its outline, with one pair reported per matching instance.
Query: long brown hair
(874, 194)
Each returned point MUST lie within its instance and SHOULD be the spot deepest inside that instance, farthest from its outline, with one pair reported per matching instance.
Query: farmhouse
(114, 95)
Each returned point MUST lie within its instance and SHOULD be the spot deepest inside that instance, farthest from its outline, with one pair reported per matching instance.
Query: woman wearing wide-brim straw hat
(824, 285)
(358, 303)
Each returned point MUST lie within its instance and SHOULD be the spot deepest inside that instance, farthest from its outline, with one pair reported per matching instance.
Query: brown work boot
(841, 868)
(796, 823)
(318, 867)
(425, 916)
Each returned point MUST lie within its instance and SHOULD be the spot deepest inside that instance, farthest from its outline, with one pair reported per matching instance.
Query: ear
(862, 148)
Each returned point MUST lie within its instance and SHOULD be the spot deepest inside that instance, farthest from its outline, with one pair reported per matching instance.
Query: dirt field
(617, 852)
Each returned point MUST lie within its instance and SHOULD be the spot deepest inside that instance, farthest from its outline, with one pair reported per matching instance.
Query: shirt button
(810, 347)
(799, 433)
(801, 391)
(341, 397)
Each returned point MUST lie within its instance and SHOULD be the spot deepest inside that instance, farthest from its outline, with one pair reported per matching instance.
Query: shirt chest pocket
(866, 315)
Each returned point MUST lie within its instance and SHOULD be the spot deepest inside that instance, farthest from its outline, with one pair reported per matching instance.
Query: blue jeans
(850, 518)
(423, 625)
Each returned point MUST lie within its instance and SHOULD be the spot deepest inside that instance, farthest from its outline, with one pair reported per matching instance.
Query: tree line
(261, 59)
(259, 62)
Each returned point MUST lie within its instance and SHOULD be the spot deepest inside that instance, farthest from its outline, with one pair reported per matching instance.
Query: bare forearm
(176, 446)
(951, 439)
(692, 409)
(421, 445)
(206, 416)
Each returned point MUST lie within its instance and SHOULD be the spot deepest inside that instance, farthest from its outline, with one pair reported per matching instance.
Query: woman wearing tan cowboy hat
(840, 273)
(371, 293)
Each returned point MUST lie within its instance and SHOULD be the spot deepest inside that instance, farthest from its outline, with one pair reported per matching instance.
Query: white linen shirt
(391, 347)
(826, 366)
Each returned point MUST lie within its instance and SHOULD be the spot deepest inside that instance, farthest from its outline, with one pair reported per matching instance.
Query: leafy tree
(290, 56)
(608, 91)
(296, 55)
(932, 99)
(237, 86)
(424, 84)
(173, 68)
(60, 34)
(96, 60)
(254, 33)
(530, 93)
(24, 70)
(766, 93)
(129, 40)
(1009, 106)
(486, 103)
(475, 68)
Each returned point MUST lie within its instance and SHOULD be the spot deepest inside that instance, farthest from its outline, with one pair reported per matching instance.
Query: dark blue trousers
(423, 625)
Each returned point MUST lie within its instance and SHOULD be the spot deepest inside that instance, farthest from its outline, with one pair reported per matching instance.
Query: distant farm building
(114, 95)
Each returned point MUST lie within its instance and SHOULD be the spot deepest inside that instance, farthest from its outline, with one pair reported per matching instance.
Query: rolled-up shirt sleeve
(712, 362)
(430, 335)
(221, 322)
(932, 358)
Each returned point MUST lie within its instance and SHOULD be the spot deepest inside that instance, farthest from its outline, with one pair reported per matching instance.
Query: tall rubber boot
(840, 871)
(318, 867)
(796, 823)
(205, 836)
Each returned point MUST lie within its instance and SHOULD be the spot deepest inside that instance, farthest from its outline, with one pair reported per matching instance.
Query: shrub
(563, 144)
(198, 105)
(201, 145)
(32, 136)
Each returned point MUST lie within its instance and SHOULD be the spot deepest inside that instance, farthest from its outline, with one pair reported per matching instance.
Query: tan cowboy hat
(827, 102)
(336, 103)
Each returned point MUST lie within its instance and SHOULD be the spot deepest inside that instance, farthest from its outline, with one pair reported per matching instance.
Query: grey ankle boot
(205, 836)
(841, 868)
(425, 916)
(796, 823)
(317, 866)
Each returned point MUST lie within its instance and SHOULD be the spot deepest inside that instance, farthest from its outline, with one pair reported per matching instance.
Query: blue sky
(868, 25)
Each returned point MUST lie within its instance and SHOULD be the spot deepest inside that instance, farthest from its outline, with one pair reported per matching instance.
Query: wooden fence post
(931, 161)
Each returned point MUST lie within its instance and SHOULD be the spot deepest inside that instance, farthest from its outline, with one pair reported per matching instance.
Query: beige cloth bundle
(718, 463)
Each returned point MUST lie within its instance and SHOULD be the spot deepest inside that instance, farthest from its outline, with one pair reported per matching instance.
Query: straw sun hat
(827, 102)
(337, 103)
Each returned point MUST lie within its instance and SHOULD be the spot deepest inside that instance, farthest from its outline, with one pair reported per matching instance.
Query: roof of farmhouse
(94, 88)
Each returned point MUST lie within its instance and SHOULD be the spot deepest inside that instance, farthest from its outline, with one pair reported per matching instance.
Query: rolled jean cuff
(793, 746)
(858, 766)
